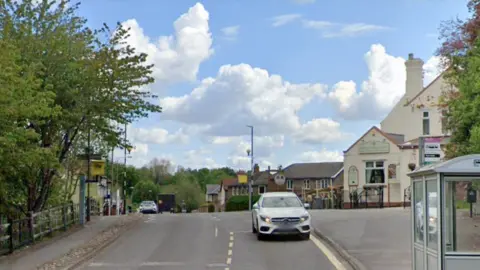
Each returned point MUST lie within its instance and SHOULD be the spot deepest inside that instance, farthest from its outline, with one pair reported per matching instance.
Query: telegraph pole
(251, 170)
(89, 161)
(125, 173)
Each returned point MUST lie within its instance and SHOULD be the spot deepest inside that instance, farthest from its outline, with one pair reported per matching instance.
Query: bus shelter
(446, 216)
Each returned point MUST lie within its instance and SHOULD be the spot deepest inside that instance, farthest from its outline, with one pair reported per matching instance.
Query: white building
(376, 165)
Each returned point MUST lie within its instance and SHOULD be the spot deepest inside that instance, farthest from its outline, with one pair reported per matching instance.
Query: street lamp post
(251, 170)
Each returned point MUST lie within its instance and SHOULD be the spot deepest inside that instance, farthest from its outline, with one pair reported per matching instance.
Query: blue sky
(311, 77)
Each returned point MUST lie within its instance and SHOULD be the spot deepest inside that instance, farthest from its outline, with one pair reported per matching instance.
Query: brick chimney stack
(256, 168)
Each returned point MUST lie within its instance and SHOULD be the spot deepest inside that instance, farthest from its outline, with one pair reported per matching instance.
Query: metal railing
(17, 233)
(367, 197)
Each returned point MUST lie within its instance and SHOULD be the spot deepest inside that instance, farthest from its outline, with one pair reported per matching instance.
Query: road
(208, 241)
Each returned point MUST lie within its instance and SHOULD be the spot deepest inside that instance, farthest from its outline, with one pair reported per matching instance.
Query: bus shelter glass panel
(432, 218)
(462, 215)
(418, 210)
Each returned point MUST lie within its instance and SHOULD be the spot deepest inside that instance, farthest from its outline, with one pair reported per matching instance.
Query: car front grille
(286, 220)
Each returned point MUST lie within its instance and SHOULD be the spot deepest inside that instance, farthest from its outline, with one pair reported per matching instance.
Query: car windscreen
(147, 203)
(278, 202)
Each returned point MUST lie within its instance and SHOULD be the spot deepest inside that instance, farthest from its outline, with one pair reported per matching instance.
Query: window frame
(375, 168)
(426, 119)
(306, 184)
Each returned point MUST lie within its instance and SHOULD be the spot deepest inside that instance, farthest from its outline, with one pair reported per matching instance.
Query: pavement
(378, 238)
(32, 257)
(209, 241)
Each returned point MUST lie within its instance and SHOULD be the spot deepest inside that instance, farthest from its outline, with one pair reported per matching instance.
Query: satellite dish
(279, 179)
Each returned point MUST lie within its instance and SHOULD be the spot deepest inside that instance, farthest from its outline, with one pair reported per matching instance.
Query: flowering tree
(460, 50)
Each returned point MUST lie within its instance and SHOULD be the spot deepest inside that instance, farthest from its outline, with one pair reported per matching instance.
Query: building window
(306, 184)
(318, 184)
(261, 189)
(289, 184)
(325, 183)
(426, 123)
(374, 172)
(392, 171)
(444, 122)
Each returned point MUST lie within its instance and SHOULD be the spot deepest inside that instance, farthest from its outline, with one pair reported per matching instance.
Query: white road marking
(331, 257)
(229, 260)
(231, 238)
(231, 233)
(216, 231)
(229, 252)
(230, 245)
(126, 265)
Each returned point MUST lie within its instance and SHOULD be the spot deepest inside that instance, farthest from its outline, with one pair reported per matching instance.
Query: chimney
(256, 168)
(414, 81)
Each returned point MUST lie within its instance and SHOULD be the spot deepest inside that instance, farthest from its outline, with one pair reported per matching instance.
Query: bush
(211, 208)
(239, 203)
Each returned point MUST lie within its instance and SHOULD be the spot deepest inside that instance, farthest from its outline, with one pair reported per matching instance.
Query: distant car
(148, 207)
(280, 213)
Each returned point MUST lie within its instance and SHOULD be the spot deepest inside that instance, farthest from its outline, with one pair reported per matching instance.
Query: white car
(280, 213)
(148, 207)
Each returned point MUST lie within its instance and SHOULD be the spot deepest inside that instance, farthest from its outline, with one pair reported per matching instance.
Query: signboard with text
(432, 152)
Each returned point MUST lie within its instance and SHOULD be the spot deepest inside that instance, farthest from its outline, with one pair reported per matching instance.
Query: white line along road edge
(331, 257)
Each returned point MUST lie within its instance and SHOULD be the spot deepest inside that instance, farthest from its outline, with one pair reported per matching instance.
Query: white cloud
(318, 131)
(284, 19)
(263, 146)
(157, 136)
(138, 156)
(177, 57)
(200, 158)
(383, 89)
(222, 140)
(230, 32)
(241, 95)
(323, 155)
(303, 2)
(432, 68)
(332, 29)
(317, 24)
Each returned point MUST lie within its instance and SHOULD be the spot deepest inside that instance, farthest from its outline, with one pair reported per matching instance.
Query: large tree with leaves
(96, 80)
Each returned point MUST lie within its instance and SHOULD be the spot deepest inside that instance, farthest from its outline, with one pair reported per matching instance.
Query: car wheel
(260, 236)
(253, 228)
(305, 236)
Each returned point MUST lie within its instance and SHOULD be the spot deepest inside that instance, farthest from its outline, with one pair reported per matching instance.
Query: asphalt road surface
(209, 241)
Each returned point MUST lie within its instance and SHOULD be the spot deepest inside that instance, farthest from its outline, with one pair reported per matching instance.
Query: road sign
(432, 152)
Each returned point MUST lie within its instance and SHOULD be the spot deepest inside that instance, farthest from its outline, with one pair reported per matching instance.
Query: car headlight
(304, 218)
(265, 219)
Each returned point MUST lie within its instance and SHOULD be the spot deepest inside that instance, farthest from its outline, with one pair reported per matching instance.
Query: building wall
(354, 158)
(408, 120)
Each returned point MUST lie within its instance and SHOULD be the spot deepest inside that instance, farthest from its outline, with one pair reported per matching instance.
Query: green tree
(20, 104)
(145, 191)
(94, 78)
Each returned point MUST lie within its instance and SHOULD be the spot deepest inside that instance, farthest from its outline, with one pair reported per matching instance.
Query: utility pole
(251, 170)
(125, 174)
(89, 161)
(109, 191)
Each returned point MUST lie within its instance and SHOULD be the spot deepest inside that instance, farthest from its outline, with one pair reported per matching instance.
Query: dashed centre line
(230, 251)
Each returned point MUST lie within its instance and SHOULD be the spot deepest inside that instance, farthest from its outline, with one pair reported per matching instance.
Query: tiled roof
(312, 170)
(213, 189)
(229, 182)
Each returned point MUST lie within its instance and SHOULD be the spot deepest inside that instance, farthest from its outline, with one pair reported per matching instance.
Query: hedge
(239, 203)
